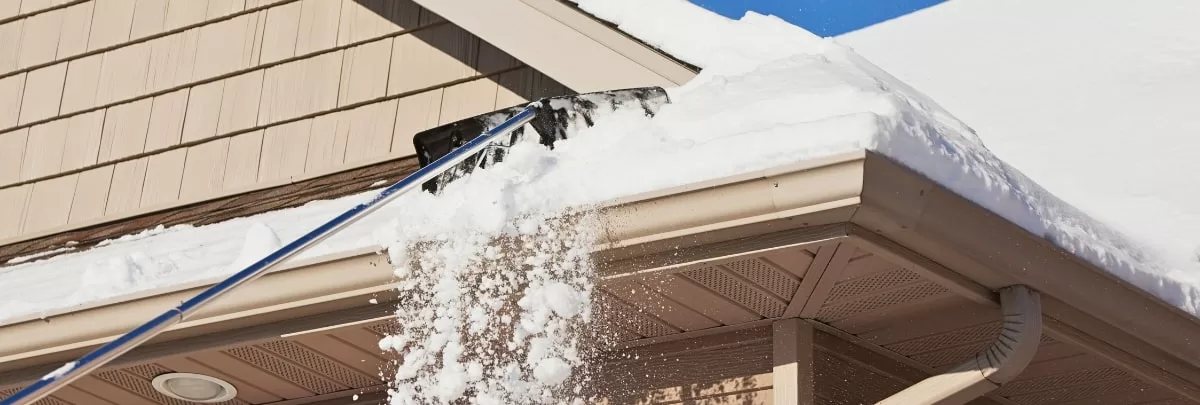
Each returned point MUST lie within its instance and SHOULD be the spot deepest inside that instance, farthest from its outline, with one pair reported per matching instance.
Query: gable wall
(110, 108)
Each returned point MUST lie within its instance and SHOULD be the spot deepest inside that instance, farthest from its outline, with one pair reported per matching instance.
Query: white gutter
(1000, 363)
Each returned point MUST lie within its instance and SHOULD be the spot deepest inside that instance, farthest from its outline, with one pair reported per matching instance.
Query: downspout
(1000, 363)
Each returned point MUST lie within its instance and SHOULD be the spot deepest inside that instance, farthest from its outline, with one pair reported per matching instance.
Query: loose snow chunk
(552, 371)
(564, 300)
(61, 371)
(260, 241)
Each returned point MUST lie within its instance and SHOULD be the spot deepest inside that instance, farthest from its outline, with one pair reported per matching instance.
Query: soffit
(881, 305)
(325, 366)
(353, 285)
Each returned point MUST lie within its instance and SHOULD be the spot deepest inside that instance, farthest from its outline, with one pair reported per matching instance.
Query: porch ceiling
(906, 248)
(881, 305)
(323, 366)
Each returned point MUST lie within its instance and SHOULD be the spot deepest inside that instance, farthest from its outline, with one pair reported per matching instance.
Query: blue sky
(822, 17)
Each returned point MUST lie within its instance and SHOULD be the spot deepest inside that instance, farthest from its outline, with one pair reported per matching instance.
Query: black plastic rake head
(556, 118)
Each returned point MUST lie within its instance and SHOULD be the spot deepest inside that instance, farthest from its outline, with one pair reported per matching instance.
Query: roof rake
(554, 119)
(445, 153)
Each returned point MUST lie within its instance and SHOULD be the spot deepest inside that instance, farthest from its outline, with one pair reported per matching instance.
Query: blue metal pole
(102, 355)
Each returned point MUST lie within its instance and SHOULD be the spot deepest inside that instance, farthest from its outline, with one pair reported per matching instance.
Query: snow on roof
(770, 94)
(1096, 100)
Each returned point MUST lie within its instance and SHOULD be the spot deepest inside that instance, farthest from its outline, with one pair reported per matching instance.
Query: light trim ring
(224, 391)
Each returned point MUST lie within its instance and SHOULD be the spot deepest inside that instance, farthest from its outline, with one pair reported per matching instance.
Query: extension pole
(96, 358)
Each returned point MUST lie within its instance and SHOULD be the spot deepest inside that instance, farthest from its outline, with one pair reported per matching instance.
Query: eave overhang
(833, 207)
(305, 294)
(897, 214)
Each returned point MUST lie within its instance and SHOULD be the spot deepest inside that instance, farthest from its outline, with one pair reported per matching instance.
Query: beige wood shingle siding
(414, 114)
(149, 18)
(365, 72)
(221, 8)
(13, 201)
(241, 168)
(10, 44)
(166, 120)
(319, 24)
(163, 176)
(123, 73)
(172, 60)
(370, 133)
(9, 8)
(327, 143)
(203, 111)
(279, 35)
(301, 87)
(45, 148)
(125, 191)
(284, 149)
(77, 24)
(12, 153)
(225, 47)
(125, 128)
(84, 135)
(39, 41)
(12, 88)
(182, 13)
(50, 203)
(91, 194)
(31, 6)
(82, 83)
(43, 91)
(371, 18)
(111, 22)
(431, 56)
(204, 172)
(239, 100)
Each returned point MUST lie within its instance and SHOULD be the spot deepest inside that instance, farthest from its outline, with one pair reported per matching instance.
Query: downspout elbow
(999, 363)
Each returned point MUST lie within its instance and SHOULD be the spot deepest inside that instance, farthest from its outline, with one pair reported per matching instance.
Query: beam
(577, 59)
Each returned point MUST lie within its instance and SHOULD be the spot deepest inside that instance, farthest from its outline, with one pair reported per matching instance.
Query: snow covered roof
(955, 156)
(1094, 101)
(765, 81)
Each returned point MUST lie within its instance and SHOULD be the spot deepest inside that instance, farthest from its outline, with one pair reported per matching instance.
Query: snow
(1095, 101)
(260, 241)
(60, 371)
(497, 273)
(23, 259)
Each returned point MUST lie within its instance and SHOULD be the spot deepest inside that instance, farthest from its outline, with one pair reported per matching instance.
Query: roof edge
(967, 248)
(638, 223)
(588, 56)
(303, 288)
(732, 207)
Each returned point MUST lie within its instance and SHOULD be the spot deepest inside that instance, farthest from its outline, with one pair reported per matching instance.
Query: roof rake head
(555, 118)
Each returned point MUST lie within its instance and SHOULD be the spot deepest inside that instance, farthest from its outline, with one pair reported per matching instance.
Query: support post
(792, 350)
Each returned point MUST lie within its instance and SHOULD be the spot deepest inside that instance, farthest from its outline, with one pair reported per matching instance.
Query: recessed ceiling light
(194, 387)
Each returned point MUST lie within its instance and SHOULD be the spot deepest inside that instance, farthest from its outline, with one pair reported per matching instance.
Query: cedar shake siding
(126, 110)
